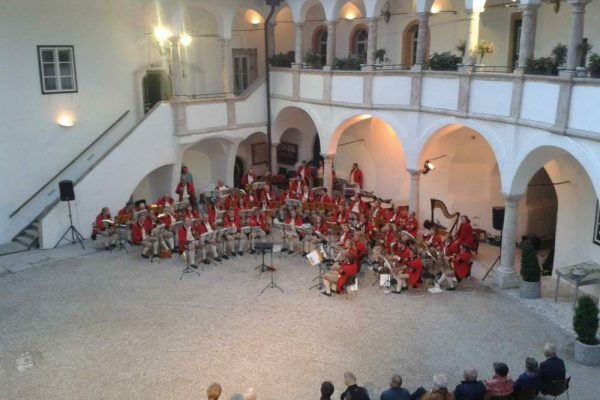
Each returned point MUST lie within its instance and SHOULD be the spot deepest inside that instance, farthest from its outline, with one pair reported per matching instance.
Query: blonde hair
(214, 391)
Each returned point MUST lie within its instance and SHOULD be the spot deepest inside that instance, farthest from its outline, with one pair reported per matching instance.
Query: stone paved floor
(113, 326)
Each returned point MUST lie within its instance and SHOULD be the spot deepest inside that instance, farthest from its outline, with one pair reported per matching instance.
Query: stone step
(26, 240)
(32, 232)
(12, 247)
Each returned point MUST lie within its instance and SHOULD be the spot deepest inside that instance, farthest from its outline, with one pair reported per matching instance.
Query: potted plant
(350, 63)
(484, 47)
(585, 325)
(284, 60)
(445, 61)
(461, 47)
(312, 59)
(379, 56)
(594, 65)
(530, 273)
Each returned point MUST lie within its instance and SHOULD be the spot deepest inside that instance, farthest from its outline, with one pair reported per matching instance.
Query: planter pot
(530, 290)
(581, 72)
(587, 354)
(595, 73)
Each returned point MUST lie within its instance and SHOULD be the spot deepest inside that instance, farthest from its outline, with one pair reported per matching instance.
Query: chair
(557, 388)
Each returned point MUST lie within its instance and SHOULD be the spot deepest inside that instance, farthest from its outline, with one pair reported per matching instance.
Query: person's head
(293, 214)
(349, 378)
(182, 180)
(501, 369)
(189, 208)
(464, 249)
(250, 395)
(184, 170)
(327, 389)
(166, 196)
(440, 381)
(349, 244)
(531, 364)
(214, 391)
(396, 381)
(355, 166)
(187, 222)
(549, 350)
(345, 228)
(464, 219)
(318, 220)
(250, 170)
(105, 211)
(412, 215)
(231, 213)
(470, 374)
(129, 206)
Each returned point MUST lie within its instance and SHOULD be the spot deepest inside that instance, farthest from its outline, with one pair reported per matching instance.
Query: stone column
(271, 34)
(422, 39)
(330, 45)
(576, 37)
(274, 165)
(299, 48)
(506, 275)
(176, 72)
(413, 200)
(527, 41)
(472, 39)
(371, 42)
(227, 67)
(328, 172)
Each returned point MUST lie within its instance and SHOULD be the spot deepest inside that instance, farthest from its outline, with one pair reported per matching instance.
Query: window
(57, 69)
(319, 44)
(244, 68)
(358, 43)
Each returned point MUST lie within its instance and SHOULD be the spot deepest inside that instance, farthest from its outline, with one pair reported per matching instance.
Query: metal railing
(501, 69)
(103, 134)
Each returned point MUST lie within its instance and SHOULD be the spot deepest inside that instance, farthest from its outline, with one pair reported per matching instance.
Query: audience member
(353, 391)
(551, 369)
(327, 390)
(530, 379)
(500, 384)
(470, 388)
(440, 389)
(214, 391)
(396, 391)
(250, 395)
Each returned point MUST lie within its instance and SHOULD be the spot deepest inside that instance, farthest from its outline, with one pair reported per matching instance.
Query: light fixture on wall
(435, 9)
(162, 34)
(185, 39)
(66, 121)
(428, 165)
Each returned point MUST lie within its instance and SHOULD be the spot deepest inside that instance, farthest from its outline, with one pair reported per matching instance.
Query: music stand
(272, 284)
(315, 259)
(264, 247)
(188, 268)
(75, 235)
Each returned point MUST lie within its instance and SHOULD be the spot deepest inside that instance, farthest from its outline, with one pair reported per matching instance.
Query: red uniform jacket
(182, 237)
(99, 223)
(412, 226)
(415, 270)
(168, 220)
(346, 272)
(357, 176)
(465, 235)
(452, 248)
(340, 217)
(232, 222)
(136, 231)
(462, 264)
(168, 202)
(245, 181)
(323, 229)
(190, 189)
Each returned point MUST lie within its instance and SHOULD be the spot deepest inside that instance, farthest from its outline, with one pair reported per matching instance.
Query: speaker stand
(495, 261)
(75, 235)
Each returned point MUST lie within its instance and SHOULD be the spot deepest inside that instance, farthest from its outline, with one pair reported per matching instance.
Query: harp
(452, 218)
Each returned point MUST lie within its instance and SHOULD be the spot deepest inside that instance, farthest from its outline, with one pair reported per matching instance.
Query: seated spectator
(353, 391)
(551, 369)
(327, 390)
(396, 391)
(470, 388)
(440, 389)
(214, 391)
(528, 380)
(500, 384)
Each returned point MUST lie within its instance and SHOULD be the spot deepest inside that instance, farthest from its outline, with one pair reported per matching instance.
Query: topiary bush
(530, 266)
(585, 321)
(284, 60)
(349, 63)
(312, 59)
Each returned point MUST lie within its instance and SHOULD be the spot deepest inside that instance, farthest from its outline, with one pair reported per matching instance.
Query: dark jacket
(395, 394)
(470, 390)
(527, 381)
(551, 369)
(355, 392)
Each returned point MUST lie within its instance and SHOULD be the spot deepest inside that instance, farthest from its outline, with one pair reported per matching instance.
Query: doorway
(515, 40)
(156, 87)
(238, 172)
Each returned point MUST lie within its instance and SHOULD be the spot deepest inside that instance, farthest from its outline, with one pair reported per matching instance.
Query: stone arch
(306, 130)
(408, 36)
(333, 12)
(281, 120)
(357, 31)
(210, 160)
(302, 8)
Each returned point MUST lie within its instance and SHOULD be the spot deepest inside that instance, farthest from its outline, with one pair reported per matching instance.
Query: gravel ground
(114, 326)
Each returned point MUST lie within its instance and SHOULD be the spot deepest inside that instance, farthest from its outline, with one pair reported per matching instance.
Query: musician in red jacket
(291, 234)
(312, 241)
(412, 225)
(340, 216)
(356, 176)
(141, 236)
(187, 241)
(451, 245)
(202, 226)
(460, 265)
(230, 220)
(165, 200)
(303, 172)
(254, 221)
(186, 191)
(464, 234)
(249, 178)
(268, 195)
(108, 230)
(342, 272)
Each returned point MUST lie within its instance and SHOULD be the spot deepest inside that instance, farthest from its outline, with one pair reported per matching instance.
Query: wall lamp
(428, 165)
(66, 121)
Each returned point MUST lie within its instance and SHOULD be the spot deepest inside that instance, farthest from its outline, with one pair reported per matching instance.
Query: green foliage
(530, 267)
(484, 47)
(379, 55)
(312, 59)
(284, 60)
(461, 47)
(445, 61)
(548, 65)
(594, 65)
(585, 320)
(350, 63)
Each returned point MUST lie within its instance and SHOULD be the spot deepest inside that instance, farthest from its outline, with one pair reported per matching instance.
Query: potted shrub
(594, 65)
(379, 56)
(349, 63)
(312, 59)
(530, 273)
(284, 60)
(461, 47)
(445, 61)
(585, 325)
(484, 47)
